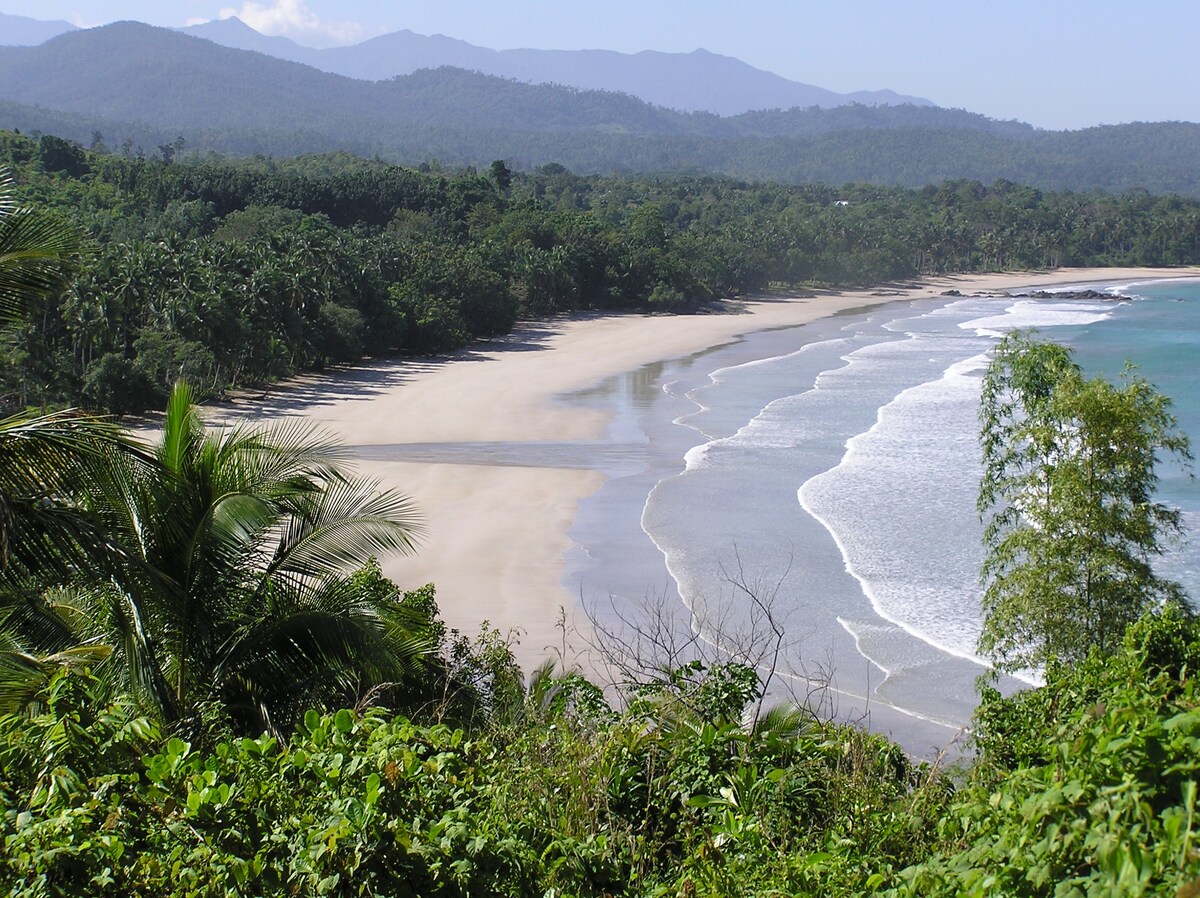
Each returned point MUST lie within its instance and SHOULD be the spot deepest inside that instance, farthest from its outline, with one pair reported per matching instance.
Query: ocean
(820, 482)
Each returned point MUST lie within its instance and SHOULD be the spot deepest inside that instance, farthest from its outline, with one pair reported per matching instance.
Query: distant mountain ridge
(699, 81)
(140, 86)
(135, 72)
(22, 31)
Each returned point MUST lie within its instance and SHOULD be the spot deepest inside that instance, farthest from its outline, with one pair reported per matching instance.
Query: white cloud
(293, 19)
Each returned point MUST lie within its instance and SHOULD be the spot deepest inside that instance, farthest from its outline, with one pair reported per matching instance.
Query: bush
(1087, 786)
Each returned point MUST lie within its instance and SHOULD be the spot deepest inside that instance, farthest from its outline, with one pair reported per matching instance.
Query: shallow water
(832, 470)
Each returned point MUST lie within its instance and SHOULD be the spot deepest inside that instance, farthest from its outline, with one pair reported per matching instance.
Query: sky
(1053, 63)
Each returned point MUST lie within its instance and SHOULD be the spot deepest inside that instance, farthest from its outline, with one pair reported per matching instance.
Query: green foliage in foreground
(568, 798)
(1087, 786)
(221, 581)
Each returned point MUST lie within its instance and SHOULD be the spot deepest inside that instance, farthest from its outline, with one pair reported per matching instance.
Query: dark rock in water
(1070, 294)
(951, 293)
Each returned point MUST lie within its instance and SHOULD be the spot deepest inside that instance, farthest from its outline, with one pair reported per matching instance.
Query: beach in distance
(502, 444)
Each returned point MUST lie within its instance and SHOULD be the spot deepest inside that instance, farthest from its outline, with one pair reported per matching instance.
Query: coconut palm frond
(182, 429)
(351, 519)
(785, 721)
(47, 465)
(546, 691)
(236, 520)
(137, 634)
(41, 633)
(278, 462)
(42, 622)
(284, 455)
(24, 676)
(8, 199)
(47, 454)
(37, 255)
(210, 567)
(331, 622)
(318, 644)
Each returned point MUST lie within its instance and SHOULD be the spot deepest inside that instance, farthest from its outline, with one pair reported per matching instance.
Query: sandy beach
(496, 534)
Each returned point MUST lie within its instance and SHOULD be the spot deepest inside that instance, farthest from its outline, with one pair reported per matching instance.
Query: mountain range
(139, 87)
(692, 82)
(22, 31)
(699, 81)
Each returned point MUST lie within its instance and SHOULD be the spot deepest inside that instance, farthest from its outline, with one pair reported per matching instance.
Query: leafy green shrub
(63, 773)
(1022, 729)
(562, 797)
(1097, 793)
(353, 805)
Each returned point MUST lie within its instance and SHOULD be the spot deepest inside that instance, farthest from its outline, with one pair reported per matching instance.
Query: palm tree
(230, 582)
(225, 580)
(37, 253)
(46, 461)
(42, 457)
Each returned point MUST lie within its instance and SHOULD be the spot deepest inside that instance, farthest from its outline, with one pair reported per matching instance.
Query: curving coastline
(499, 505)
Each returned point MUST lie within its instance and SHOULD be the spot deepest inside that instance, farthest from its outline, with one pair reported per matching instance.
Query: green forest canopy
(234, 272)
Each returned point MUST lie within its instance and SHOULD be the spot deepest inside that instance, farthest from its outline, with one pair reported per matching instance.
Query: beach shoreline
(496, 534)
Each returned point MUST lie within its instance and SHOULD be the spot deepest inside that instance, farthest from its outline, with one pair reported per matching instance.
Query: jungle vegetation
(230, 273)
(207, 687)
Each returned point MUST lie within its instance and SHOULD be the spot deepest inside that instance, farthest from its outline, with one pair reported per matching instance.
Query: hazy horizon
(1067, 65)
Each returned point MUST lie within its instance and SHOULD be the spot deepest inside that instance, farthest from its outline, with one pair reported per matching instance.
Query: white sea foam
(868, 588)
(696, 457)
(1038, 313)
(855, 632)
(718, 376)
(915, 436)
(904, 408)
(722, 376)
(894, 496)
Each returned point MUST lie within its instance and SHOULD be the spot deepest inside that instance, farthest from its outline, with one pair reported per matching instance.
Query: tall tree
(229, 578)
(1067, 488)
(237, 591)
(46, 461)
(37, 255)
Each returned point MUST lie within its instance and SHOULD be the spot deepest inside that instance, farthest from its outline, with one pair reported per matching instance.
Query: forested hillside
(235, 272)
(145, 87)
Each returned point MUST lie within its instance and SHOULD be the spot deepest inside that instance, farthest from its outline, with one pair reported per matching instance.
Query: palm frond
(279, 462)
(218, 564)
(785, 722)
(8, 199)
(23, 676)
(182, 429)
(42, 621)
(351, 519)
(37, 255)
(319, 643)
(48, 464)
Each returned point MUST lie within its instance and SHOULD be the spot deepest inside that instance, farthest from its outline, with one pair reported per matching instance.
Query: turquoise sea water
(832, 469)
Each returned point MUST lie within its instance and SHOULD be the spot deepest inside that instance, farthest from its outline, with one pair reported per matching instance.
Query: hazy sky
(1054, 63)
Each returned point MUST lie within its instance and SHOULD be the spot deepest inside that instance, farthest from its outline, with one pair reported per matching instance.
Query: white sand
(496, 536)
